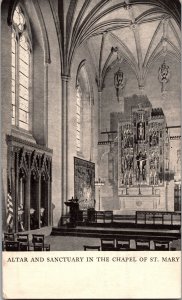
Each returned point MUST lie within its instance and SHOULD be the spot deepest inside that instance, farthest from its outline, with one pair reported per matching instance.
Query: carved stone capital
(65, 77)
(141, 88)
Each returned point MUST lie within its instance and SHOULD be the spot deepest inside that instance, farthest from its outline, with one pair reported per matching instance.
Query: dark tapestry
(84, 182)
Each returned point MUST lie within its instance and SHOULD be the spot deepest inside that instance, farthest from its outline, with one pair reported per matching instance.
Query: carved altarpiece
(142, 148)
(139, 160)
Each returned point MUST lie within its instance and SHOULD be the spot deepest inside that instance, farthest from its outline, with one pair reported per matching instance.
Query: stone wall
(110, 108)
(45, 91)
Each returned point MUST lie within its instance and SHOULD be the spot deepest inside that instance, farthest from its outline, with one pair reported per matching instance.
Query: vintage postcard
(91, 149)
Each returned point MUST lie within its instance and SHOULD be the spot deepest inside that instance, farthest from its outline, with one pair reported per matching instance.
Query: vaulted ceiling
(135, 31)
(144, 35)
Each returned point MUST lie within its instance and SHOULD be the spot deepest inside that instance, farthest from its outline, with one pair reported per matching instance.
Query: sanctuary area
(91, 125)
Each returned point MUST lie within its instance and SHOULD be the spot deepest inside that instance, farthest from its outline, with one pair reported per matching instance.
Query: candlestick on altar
(152, 189)
(126, 190)
(99, 183)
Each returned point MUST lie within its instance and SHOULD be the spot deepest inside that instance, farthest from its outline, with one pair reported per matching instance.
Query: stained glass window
(20, 71)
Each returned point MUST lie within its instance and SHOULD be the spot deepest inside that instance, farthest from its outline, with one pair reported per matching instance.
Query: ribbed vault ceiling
(137, 32)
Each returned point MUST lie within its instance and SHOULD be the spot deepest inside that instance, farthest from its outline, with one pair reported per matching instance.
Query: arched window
(20, 66)
(83, 113)
(78, 118)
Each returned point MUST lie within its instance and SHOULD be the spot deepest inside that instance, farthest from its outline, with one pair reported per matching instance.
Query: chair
(122, 244)
(91, 215)
(23, 242)
(142, 245)
(85, 216)
(38, 243)
(91, 248)
(12, 246)
(107, 245)
(108, 216)
(9, 237)
(161, 246)
(100, 216)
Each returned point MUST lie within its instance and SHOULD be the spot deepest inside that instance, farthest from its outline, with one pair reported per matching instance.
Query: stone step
(130, 233)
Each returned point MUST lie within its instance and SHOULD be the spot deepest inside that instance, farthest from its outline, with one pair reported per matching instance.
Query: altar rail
(157, 217)
(141, 217)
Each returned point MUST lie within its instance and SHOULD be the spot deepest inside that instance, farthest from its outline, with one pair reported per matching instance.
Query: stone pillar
(48, 202)
(27, 201)
(91, 128)
(64, 170)
(170, 198)
(50, 193)
(38, 197)
(16, 192)
(99, 111)
(45, 128)
(21, 191)
(13, 190)
(141, 88)
(166, 195)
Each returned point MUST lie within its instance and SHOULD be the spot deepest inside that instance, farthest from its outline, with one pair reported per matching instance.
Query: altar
(139, 160)
(138, 202)
(141, 198)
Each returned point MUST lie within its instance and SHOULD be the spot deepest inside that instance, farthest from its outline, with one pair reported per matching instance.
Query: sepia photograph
(91, 130)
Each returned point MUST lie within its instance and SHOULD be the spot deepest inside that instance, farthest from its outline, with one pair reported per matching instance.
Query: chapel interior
(90, 125)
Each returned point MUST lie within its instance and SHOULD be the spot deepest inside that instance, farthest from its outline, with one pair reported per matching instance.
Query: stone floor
(70, 243)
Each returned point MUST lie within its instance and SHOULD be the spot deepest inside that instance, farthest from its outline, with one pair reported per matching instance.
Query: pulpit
(74, 211)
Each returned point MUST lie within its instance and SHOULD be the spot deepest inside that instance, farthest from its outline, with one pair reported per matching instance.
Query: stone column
(49, 202)
(64, 170)
(12, 178)
(99, 110)
(46, 104)
(21, 191)
(166, 195)
(50, 193)
(16, 191)
(38, 197)
(27, 201)
(91, 128)
(46, 202)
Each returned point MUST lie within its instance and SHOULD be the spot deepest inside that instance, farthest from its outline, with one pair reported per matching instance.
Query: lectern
(74, 211)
